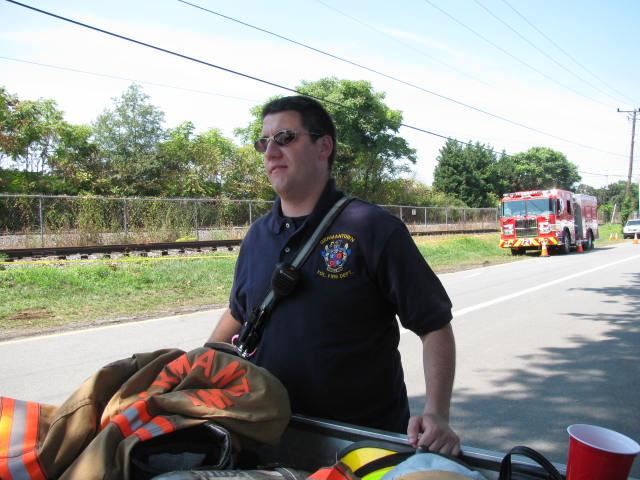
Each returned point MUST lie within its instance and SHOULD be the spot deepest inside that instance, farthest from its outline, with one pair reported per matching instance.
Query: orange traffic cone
(579, 248)
(545, 251)
(635, 239)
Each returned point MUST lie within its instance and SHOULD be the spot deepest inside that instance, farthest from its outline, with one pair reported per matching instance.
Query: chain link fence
(31, 221)
(609, 216)
(431, 219)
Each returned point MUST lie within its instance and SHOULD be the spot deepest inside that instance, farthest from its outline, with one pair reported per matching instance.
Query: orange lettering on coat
(164, 381)
(214, 398)
(240, 389)
(228, 374)
(180, 366)
(205, 361)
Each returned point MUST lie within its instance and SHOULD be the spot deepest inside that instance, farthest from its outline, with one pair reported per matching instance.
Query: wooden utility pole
(633, 135)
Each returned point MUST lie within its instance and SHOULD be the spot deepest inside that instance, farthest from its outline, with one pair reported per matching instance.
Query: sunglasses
(282, 138)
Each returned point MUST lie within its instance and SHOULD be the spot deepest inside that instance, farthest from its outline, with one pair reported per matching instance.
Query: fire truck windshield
(522, 208)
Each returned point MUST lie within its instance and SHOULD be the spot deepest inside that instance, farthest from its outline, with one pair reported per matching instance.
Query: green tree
(466, 171)
(614, 193)
(209, 164)
(8, 138)
(128, 136)
(19, 181)
(29, 131)
(244, 176)
(176, 155)
(369, 150)
(537, 168)
(626, 209)
(613, 197)
(76, 161)
(212, 154)
(410, 192)
(587, 189)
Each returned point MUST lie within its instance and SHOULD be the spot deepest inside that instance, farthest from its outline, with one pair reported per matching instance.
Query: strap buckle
(246, 342)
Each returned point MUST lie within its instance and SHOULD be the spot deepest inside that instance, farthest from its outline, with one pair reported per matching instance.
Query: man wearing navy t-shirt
(334, 341)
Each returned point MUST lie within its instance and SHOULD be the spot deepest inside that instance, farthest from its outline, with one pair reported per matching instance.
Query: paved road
(542, 344)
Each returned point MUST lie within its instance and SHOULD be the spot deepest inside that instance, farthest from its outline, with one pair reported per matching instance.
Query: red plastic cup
(599, 453)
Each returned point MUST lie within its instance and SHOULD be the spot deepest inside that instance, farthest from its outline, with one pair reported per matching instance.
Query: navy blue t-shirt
(334, 342)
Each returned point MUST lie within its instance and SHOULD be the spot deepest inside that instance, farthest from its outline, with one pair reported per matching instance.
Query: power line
(407, 45)
(148, 45)
(85, 72)
(567, 53)
(444, 97)
(260, 80)
(212, 65)
(519, 60)
(355, 64)
(116, 77)
(618, 175)
(484, 7)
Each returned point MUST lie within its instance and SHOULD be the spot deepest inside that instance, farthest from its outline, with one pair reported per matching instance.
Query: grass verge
(44, 297)
(457, 252)
(610, 233)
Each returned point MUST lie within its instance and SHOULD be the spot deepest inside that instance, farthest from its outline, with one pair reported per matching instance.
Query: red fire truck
(558, 218)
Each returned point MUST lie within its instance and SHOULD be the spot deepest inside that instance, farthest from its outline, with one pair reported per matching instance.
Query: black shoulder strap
(251, 332)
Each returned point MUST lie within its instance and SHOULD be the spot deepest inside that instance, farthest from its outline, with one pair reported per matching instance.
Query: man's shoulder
(368, 214)
(259, 227)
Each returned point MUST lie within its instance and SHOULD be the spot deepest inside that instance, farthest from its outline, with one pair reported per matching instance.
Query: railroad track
(142, 249)
(156, 249)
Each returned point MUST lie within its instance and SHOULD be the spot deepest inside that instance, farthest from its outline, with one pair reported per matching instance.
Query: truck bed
(311, 443)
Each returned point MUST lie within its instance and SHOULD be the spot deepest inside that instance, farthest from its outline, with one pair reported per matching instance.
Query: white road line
(479, 306)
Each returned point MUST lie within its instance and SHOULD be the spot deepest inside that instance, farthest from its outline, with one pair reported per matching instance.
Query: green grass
(457, 252)
(39, 297)
(606, 231)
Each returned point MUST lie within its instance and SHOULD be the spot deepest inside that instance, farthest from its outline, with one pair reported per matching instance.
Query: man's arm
(226, 328)
(431, 430)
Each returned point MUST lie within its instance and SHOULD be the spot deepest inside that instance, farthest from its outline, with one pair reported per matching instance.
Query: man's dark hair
(314, 117)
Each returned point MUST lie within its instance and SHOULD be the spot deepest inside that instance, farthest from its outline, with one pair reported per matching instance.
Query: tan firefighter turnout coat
(132, 400)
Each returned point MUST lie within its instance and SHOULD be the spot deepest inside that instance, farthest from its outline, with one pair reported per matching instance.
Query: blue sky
(428, 43)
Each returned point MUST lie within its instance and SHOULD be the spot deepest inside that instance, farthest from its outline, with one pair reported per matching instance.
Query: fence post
(126, 220)
(464, 218)
(41, 222)
(446, 218)
(425, 218)
(401, 214)
(250, 214)
(195, 208)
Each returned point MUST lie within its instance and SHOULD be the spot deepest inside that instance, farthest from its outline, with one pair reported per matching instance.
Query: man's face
(299, 167)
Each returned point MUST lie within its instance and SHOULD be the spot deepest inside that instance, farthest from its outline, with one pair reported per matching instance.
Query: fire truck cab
(559, 219)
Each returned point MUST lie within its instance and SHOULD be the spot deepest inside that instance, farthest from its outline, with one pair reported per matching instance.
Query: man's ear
(326, 146)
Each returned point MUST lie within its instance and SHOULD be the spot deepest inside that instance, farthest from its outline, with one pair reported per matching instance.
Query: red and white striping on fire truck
(558, 218)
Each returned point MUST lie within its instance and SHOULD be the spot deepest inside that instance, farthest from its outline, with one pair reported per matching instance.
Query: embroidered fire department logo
(335, 250)
(335, 254)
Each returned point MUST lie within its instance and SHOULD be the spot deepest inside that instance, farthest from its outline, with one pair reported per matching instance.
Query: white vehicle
(631, 228)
